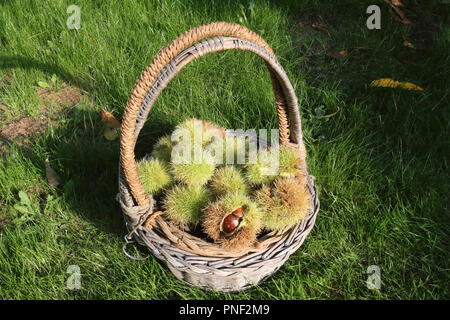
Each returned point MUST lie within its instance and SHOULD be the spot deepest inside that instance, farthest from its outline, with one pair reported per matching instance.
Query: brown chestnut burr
(233, 220)
(242, 225)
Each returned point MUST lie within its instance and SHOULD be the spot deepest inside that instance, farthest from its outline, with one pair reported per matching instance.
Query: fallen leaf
(340, 55)
(331, 114)
(320, 112)
(52, 177)
(399, 12)
(110, 133)
(408, 44)
(345, 53)
(109, 120)
(111, 126)
(390, 83)
(397, 3)
(320, 27)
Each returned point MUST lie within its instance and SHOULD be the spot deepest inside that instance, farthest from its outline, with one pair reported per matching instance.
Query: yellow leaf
(408, 44)
(410, 86)
(109, 120)
(333, 114)
(320, 27)
(52, 177)
(390, 83)
(111, 134)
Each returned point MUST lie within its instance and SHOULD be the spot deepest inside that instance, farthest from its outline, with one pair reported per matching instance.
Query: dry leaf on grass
(399, 12)
(111, 134)
(109, 120)
(342, 54)
(408, 44)
(111, 126)
(331, 114)
(390, 83)
(397, 3)
(52, 177)
(320, 27)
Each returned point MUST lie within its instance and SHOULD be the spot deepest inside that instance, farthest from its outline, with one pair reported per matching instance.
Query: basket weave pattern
(191, 259)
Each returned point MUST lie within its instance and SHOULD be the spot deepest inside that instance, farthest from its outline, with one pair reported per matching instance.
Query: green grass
(381, 163)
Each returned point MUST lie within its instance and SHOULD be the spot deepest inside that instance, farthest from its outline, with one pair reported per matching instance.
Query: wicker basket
(191, 259)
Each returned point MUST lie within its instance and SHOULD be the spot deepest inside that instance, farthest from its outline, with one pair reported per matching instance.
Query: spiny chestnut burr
(290, 162)
(228, 179)
(284, 204)
(184, 204)
(154, 175)
(233, 220)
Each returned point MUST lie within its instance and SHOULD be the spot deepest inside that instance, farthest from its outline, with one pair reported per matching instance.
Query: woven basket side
(232, 273)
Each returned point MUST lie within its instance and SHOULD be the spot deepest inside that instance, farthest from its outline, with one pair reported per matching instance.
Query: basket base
(232, 283)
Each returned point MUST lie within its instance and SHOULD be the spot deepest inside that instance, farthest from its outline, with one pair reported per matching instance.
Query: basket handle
(160, 72)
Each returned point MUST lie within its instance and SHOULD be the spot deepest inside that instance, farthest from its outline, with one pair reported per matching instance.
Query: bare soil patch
(54, 103)
(23, 127)
(66, 96)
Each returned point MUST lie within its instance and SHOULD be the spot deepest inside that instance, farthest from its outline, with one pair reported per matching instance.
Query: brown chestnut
(233, 220)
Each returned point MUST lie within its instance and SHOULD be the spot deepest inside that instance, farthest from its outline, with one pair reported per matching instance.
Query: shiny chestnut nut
(233, 220)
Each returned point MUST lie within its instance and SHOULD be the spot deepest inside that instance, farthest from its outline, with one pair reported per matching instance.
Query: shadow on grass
(402, 134)
(86, 162)
(404, 141)
(397, 116)
(8, 62)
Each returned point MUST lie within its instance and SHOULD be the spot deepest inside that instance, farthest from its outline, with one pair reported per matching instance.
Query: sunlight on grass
(380, 162)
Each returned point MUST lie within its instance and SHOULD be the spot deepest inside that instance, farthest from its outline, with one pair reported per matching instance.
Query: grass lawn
(381, 162)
